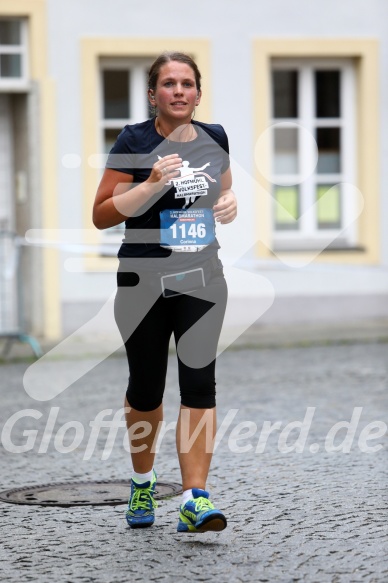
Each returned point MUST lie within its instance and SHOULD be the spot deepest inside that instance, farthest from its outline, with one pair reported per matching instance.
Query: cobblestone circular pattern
(101, 493)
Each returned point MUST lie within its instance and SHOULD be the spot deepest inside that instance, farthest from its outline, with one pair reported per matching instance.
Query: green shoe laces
(202, 504)
(141, 498)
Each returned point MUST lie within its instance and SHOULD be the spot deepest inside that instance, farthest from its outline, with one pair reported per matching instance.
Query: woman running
(169, 179)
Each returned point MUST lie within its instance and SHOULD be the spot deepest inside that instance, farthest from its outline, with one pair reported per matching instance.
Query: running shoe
(141, 504)
(199, 514)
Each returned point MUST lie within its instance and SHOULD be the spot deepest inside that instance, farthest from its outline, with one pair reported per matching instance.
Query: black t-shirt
(205, 158)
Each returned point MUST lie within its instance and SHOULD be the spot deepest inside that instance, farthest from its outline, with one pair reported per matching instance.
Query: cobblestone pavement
(313, 515)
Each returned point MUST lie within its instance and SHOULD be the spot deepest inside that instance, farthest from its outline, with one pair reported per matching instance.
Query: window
(13, 54)
(313, 153)
(123, 101)
(124, 96)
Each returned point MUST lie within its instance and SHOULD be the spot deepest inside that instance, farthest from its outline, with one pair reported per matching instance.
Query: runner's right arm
(113, 203)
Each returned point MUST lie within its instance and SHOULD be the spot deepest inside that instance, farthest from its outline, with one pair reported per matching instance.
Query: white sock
(187, 495)
(141, 478)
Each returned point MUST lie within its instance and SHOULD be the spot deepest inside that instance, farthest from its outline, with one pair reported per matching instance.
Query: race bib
(186, 229)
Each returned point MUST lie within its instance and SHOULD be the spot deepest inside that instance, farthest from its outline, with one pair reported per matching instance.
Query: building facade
(302, 91)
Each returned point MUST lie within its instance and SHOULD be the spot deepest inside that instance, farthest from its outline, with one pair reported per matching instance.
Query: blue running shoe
(141, 504)
(199, 514)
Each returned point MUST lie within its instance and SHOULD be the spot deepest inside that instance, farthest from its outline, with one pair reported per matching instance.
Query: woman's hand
(164, 170)
(117, 198)
(225, 210)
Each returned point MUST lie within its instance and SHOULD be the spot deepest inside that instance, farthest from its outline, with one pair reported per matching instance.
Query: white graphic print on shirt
(191, 183)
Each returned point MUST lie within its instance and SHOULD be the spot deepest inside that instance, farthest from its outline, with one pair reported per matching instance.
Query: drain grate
(109, 492)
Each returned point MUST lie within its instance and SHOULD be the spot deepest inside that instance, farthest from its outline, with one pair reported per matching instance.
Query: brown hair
(166, 57)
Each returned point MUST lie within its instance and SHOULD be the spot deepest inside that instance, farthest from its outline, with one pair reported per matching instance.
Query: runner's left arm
(225, 209)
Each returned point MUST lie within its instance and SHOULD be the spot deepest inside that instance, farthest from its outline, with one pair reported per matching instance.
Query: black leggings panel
(147, 320)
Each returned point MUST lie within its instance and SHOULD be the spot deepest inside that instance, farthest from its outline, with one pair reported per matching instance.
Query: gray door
(8, 250)
(7, 211)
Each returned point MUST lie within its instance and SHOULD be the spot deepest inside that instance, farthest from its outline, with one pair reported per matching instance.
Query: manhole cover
(101, 493)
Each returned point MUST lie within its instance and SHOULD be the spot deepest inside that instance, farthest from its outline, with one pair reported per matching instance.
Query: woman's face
(176, 93)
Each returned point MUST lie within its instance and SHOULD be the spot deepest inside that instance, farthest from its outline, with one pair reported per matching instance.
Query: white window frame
(308, 236)
(111, 238)
(17, 83)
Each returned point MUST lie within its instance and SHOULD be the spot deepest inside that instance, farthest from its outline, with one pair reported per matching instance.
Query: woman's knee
(142, 399)
(196, 400)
